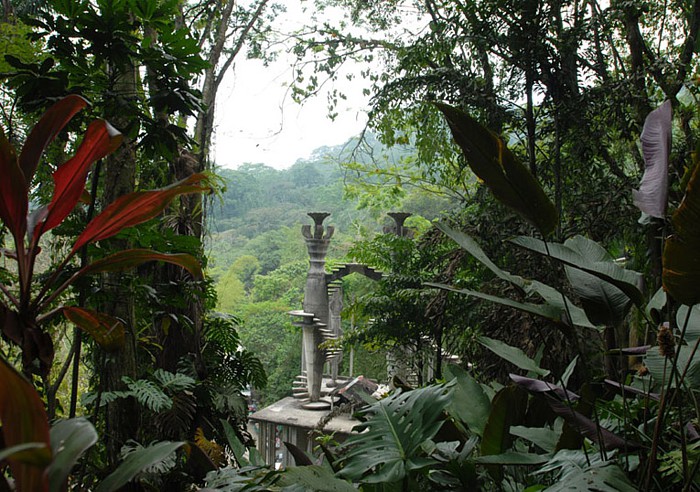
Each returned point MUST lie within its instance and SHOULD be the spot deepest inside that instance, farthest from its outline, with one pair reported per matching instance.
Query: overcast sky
(257, 121)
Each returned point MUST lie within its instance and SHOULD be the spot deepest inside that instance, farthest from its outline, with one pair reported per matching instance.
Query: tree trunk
(121, 418)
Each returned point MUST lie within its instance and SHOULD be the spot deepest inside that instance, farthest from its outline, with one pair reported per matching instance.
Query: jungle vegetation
(527, 137)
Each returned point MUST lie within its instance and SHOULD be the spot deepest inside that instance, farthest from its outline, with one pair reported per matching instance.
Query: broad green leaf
(557, 307)
(507, 409)
(507, 178)
(512, 354)
(134, 208)
(659, 366)
(107, 330)
(692, 320)
(234, 443)
(569, 371)
(131, 258)
(314, 477)
(389, 445)
(538, 309)
(543, 437)
(43, 133)
(469, 402)
(69, 440)
(24, 421)
(655, 305)
(681, 261)
(584, 254)
(136, 462)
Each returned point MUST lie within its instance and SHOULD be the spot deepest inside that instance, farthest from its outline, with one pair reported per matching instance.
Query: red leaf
(13, 191)
(69, 179)
(134, 257)
(43, 133)
(107, 330)
(135, 208)
(24, 420)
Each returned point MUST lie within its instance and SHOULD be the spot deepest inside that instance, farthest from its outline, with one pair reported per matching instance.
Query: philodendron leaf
(652, 196)
(315, 477)
(512, 354)
(507, 178)
(390, 443)
(681, 261)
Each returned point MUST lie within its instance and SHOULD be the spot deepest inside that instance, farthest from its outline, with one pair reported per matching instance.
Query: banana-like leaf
(508, 408)
(543, 437)
(136, 462)
(131, 258)
(24, 421)
(69, 440)
(69, 179)
(659, 366)
(389, 445)
(553, 309)
(512, 354)
(107, 330)
(134, 208)
(507, 178)
(652, 196)
(587, 256)
(681, 261)
(469, 403)
(557, 307)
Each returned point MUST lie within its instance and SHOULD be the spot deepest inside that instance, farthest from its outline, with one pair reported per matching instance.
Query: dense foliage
(572, 327)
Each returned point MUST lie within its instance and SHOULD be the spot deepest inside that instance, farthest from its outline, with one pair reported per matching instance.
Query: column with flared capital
(317, 240)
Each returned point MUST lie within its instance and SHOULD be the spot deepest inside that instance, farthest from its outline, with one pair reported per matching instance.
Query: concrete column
(315, 300)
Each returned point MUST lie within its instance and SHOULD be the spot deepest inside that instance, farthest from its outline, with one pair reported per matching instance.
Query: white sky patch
(258, 122)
